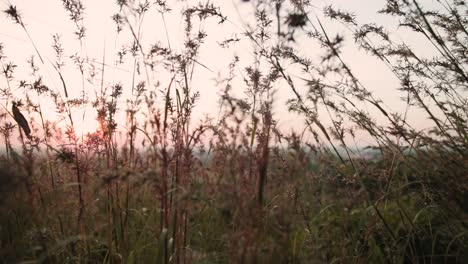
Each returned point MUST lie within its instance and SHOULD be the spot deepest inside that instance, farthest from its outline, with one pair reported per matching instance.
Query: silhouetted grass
(238, 189)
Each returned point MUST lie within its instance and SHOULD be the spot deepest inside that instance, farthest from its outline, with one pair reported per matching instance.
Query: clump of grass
(161, 186)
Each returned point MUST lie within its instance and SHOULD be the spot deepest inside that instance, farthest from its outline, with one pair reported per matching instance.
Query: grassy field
(236, 189)
(314, 209)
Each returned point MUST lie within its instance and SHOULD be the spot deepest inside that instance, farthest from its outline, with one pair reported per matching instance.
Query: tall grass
(160, 186)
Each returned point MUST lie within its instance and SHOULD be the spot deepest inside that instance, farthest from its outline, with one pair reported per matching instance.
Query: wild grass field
(159, 186)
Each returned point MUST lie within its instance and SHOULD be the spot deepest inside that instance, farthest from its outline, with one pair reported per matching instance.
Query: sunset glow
(104, 39)
(233, 131)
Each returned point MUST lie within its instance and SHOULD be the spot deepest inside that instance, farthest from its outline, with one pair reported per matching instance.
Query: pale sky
(47, 17)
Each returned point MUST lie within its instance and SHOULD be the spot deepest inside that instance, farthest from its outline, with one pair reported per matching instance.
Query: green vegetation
(239, 189)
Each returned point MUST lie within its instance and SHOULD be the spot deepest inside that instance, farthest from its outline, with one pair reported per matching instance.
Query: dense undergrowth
(240, 190)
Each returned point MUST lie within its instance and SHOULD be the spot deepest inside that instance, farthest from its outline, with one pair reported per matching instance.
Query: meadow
(153, 184)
